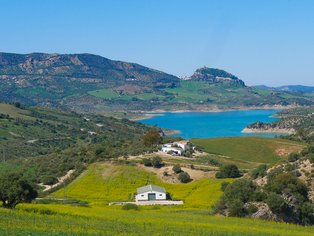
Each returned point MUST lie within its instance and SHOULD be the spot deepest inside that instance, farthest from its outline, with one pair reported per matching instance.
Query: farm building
(150, 193)
(177, 148)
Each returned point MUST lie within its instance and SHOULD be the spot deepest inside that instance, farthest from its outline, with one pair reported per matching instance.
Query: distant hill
(216, 76)
(91, 83)
(290, 88)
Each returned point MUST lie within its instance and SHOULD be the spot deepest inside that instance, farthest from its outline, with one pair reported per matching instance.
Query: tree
(176, 169)
(184, 177)
(156, 162)
(228, 171)
(151, 137)
(15, 189)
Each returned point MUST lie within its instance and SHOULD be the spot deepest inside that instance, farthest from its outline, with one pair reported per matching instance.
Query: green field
(102, 183)
(119, 182)
(249, 152)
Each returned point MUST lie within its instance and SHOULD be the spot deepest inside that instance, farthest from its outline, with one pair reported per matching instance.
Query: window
(160, 194)
(142, 195)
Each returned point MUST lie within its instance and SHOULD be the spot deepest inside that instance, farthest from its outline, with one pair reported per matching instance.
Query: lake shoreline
(159, 112)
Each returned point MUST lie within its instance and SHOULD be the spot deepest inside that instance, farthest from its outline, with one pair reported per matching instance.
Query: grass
(108, 94)
(14, 111)
(69, 220)
(249, 152)
(105, 182)
(119, 183)
(112, 95)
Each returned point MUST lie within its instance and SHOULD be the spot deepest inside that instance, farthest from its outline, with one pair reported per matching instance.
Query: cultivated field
(102, 183)
(249, 152)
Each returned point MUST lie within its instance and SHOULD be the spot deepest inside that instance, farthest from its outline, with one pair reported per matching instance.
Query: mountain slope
(90, 83)
(40, 78)
(290, 88)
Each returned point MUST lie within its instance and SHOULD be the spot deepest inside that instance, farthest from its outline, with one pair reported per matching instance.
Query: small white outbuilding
(150, 193)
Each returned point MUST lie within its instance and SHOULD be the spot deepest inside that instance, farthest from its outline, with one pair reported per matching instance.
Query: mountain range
(290, 88)
(91, 83)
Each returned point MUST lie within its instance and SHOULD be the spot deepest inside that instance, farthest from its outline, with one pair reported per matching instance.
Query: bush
(224, 186)
(176, 169)
(252, 209)
(242, 189)
(130, 206)
(275, 202)
(311, 157)
(293, 157)
(236, 208)
(49, 180)
(147, 161)
(259, 171)
(184, 177)
(157, 162)
(228, 171)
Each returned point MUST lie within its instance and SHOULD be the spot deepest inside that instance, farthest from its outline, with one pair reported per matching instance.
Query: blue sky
(262, 42)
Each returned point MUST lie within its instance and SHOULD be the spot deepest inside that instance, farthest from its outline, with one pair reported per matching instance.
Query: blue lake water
(211, 124)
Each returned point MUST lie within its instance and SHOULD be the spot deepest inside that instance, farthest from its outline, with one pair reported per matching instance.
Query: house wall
(166, 150)
(144, 196)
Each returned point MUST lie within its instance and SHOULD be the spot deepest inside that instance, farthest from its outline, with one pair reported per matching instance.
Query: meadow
(111, 182)
(104, 182)
(249, 152)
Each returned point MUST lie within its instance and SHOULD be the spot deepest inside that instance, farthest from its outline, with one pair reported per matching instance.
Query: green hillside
(107, 182)
(68, 220)
(249, 152)
(91, 83)
(103, 182)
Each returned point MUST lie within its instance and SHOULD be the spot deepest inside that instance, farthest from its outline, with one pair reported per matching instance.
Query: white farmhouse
(178, 148)
(150, 193)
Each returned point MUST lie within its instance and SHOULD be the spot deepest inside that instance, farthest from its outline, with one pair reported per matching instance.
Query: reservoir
(211, 124)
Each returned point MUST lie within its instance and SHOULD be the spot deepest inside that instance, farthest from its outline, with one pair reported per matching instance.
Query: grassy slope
(68, 220)
(248, 152)
(104, 183)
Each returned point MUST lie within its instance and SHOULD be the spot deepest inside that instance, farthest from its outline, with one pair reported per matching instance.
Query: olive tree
(15, 189)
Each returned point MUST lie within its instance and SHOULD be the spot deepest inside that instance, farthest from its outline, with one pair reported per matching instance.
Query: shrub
(252, 209)
(130, 206)
(49, 180)
(184, 177)
(156, 162)
(176, 169)
(224, 186)
(236, 208)
(259, 171)
(147, 161)
(275, 202)
(242, 189)
(311, 157)
(293, 157)
(288, 183)
(228, 171)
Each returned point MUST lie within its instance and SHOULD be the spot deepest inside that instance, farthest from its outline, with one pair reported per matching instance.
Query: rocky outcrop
(261, 127)
(216, 76)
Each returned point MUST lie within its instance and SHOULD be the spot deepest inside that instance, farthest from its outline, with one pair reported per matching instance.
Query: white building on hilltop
(177, 148)
(150, 193)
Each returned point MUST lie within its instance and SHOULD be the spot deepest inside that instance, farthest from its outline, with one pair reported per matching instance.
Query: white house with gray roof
(150, 193)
